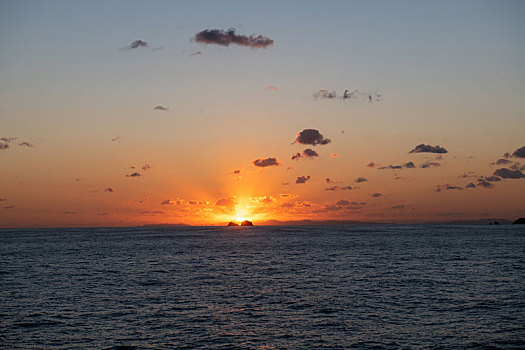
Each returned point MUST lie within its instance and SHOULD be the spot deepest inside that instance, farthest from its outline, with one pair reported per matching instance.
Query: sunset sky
(123, 113)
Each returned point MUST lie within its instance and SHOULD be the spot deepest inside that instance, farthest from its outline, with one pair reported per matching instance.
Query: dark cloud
(506, 155)
(117, 139)
(237, 171)
(311, 137)
(135, 45)
(2, 199)
(135, 174)
(9, 207)
(302, 179)
(361, 179)
(166, 202)
(376, 195)
(429, 164)
(4, 146)
(342, 202)
(422, 148)
(69, 213)
(161, 108)
(197, 53)
(408, 165)
(307, 153)
(26, 144)
(8, 139)
(146, 167)
(447, 187)
(108, 189)
(519, 153)
(509, 174)
(266, 162)
(228, 37)
(337, 188)
(371, 165)
(226, 202)
(470, 185)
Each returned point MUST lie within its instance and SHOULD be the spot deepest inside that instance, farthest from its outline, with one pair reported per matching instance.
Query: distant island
(244, 223)
(520, 221)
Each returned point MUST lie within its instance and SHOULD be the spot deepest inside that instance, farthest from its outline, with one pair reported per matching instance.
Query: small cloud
(2, 199)
(273, 88)
(288, 205)
(361, 179)
(146, 167)
(135, 45)
(154, 212)
(468, 174)
(161, 108)
(334, 155)
(135, 174)
(103, 214)
(196, 53)
(371, 165)
(117, 139)
(519, 153)
(337, 188)
(399, 207)
(493, 179)
(342, 202)
(26, 144)
(348, 95)
(376, 195)
(266, 162)
(447, 187)
(8, 139)
(69, 212)
(422, 148)
(166, 202)
(302, 179)
(307, 153)
(509, 174)
(484, 183)
(429, 164)
(311, 137)
(408, 165)
(470, 185)
(9, 207)
(108, 189)
(237, 171)
(226, 202)
(4, 146)
(229, 37)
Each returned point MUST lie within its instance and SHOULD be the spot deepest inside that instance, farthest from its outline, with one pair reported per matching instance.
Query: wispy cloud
(273, 88)
(348, 95)
(146, 167)
(135, 174)
(108, 189)
(137, 44)
(376, 195)
(408, 165)
(196, 53)
(361, 179)
(161, 108)
(117, 139)
(447, 187)
(337, 188)
(229, 37)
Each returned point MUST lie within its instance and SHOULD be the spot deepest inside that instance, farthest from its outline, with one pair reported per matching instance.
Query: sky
(124, 113)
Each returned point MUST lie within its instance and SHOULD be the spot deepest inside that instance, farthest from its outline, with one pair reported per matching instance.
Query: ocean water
(281, 287)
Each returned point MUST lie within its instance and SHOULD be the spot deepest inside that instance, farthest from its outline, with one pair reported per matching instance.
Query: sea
(264, 287)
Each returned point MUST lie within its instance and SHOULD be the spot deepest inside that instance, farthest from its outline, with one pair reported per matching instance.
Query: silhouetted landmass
(244, 223)
(520, 221)
(495, 222)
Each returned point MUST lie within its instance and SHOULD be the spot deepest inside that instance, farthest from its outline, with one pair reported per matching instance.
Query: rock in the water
(495, 222)
(520, 221)
(246, 223)
(231, 223)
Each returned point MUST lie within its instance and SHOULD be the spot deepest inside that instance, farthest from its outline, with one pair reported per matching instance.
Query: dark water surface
(263, 287)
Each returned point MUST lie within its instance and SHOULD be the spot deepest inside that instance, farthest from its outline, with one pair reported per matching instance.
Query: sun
(240, 219)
